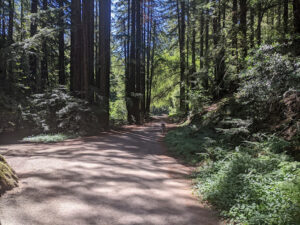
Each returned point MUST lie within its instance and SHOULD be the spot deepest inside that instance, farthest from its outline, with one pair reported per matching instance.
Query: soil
(120, 177)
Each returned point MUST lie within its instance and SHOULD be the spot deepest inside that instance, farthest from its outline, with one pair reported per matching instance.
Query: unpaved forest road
(119, 178)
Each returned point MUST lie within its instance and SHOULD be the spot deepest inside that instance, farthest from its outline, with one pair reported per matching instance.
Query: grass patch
(48, 138)
(251, 182)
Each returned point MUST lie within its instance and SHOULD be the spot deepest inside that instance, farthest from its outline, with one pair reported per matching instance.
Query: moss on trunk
(8, 177)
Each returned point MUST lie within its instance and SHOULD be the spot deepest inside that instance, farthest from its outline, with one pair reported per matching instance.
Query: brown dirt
(119, 178)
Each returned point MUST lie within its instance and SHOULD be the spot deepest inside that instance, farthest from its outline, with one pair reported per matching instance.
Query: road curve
(119, 178)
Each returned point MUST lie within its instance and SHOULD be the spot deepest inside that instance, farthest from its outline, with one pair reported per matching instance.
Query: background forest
(228, 70)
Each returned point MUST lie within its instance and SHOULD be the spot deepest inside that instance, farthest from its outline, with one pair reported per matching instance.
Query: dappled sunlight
(123, 177)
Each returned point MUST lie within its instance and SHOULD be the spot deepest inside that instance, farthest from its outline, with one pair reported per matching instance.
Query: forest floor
(122, 177)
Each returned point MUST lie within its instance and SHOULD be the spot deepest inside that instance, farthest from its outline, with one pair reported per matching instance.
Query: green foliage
(268, 76)
(249, 186)
(57, 111)
(252, 183)
(48, 138)
(244, 172)
(190, 144)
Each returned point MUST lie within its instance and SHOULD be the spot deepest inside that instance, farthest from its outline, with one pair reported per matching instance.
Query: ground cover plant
(246, 147)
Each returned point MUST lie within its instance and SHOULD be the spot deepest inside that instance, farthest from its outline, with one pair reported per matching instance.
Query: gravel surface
(118, 178)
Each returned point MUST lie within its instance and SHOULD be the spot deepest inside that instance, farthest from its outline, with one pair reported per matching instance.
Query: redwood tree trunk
(132, 63)
(88, 50)
(181, 27)
(33, 58)
(296, 5)
(44, 62)
(61, 46)
(137, 102)
(104, 59)
(243, 26)
(76, 48)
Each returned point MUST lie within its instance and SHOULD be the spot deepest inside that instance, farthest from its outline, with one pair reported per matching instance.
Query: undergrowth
(246, 146)
(250, 183)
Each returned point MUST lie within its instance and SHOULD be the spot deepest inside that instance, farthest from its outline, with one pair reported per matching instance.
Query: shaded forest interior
(229, 70)
(131, 53)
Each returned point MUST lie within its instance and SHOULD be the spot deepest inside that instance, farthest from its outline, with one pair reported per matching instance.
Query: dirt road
(118, 178)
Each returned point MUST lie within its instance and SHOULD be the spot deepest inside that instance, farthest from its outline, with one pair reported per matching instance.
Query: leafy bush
(252, 183)
(268, 76)
(57, 111)
(249, 186)
(191, 145)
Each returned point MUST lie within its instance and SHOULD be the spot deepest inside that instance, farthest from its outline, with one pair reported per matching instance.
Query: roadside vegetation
(246, 147)
(47, 138)
(229, 70)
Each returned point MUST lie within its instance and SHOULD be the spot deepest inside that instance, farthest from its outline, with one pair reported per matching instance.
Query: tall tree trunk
(193, 47)
(219, 58)
(88, 51)
(137, 103)
(44, 61)
(61, 46)
(127, 65)
(252, 33)
(201, 39)
(76, 48)
(181, 28)
(207, 60)
(285, 17)
(132, 65)
(143, 64)
(33, 58)
(149, 40)
(279, 13)
(234, 24)
(3, 26)
(296, 9)
(259, 21)
(104, 58)
(243, 26)
(152, 63)
(11, 4)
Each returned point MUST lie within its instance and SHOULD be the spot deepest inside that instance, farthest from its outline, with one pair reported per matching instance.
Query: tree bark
(76, 48)
(137, 102)
(61, 46)
(181, 29)
(243, 26)
(132, 65)
(285, 17)
(193, 47)
(259, 21)
(296, 10)
(207, 60)
(234, 24)
(44, 61)
(11, 21)
(88, 52)
(104, 59)
(33, 58)
(252, 34)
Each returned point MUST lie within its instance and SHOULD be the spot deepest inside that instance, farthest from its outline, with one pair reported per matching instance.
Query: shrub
(249, 185)
(268, 76)
(57, 111)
